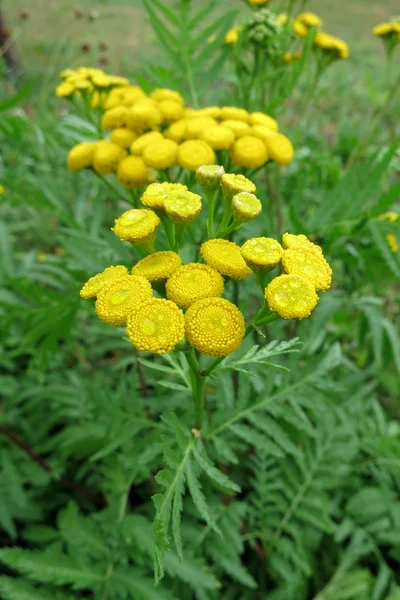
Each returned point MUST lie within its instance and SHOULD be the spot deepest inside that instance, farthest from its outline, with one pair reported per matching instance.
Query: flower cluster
(389, 32)
(87, 81)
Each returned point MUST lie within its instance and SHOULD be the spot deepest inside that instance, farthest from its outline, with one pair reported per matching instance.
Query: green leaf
(198, 496)
(213, 473)
(12, 589)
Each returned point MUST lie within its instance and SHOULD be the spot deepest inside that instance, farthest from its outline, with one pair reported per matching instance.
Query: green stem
(179, 233)
(169, 229)
(198, 386)
(211, 195)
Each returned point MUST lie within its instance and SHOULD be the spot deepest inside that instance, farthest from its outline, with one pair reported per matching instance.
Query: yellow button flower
(309, 265)
(239, 128)
(131, 94)
(100, 281)
(263, 132)
(156, 193)
(210, 111)
(260, 118)
(161, 154)
(232, 112)
(249, 151)
(232, 35)
(160, 94)
(258, 2)
(218, 137)
(195, 127)
(171, 111)
(81, 156)
(2, 190)
(157, 266)
(282, 19)
(65, 89)
(297, 241)
(291, 296)
(136, 225)
(157, 326)
(392, 242)
(262, 253)
(299, 28)
(114, 117)
(225, 257)
(245, 207)
(176, 131)
(234, 184)
(132, 172)
(214, 326)
(144, 140)
(117, 301)
(209, 176)
(143, 115)
(309, 19)
(124, 137)
(182, 206)
(279, 149)
(194, 153)
(106, 157)
(391, 216)
(385, 29)
(193, 282)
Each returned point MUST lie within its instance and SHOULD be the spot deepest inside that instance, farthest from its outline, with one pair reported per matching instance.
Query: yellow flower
(299, 28)
(385, 29)
(331, 44)
(137, 226)
(81, 156)
(282, 19)
(116, 302)
(249, 151)
(194, 153)
(193, 282)
(130, 94)
(83, 84)
(392, 242)
(262, 253)
(67, 73)
(102, 280)
(262, 132)
(225, 257)
(239, 128)
(245, 207)
(65, 89)
(195, 127)
(157, 326)
(182, 206)
(144, 140)
(161, 154)
(232, 35)
(143, 115)
(299, 241)
(290, 57)
(391, 216)
(107, 156)
(2, 190)
(214, 326)
(160, 94)
(279, 149)
(124, 137)
(157, 266)
(233, 113)
(114, 117)
(210, 111)
(309, 265)
(171, 111)
(209, 176)
(156, 193)
(257, 2)
(259, 118)
(132, 172)
(176, 131)
(218, 137)
(291, 296)
(309, 19)
(233, 184)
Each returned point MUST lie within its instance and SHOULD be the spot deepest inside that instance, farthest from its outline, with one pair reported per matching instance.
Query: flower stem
(211, 209)
(198, 386)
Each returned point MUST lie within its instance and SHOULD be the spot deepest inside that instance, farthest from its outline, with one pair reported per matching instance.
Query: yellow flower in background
(291, 240)
(124, 137)
(249, 151)
(391, 216)
(280, 149)
(144, 140)
(157, 326)
(136, 225)
(2, 190)
(143, 115)
(239, 128)
(132, 172)
(291, 296)
(65, 89)
(392, 242)
(106, 157)
(245, 207)
(290, 57)
(262, 132)
(114, 117)
(338, 48)
(158, 266)
(233, 113)
(192, 154)
(161, 94)
(171, 111)
(210, 111)
(116, 302)
(300, 29)
(262, 253)
(257, 2)
(309, 265)
(282, 19)
(214, 326)
(218, 137)
(386, 29)
(98, 282)
(259, 118)
(195, 127)
(161, 154)
(81, 156)
(225, 257)
(182, 206)
(232, 184)
(232, 35)
(193, 282)
(176, 131)
(309, 19)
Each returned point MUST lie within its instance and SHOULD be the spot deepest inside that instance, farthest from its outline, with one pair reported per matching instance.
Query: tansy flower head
(233, 184)
(176, 131)
(130, 94)
(391, 216)
(279, 149)
(309, 265)
(249, 151)
(193, 282)
(262, 253)
(238, 128)
(263, 132)
(132, 172)
(143, 115)
(160, 154)
(65, 89)
(232, 35)
(309, 19)
(124, 137)
(137, 226)
(114, 117)
(259, 118)
(106, 157)
(81, 156)
(194, 153)
(182, 206)
(235, 113)
(171, 111)
(214, 326)
(161, 94)
(98, 282)
(245, 207)
(392, 242)
(387, 29)
(218, 137)
(115, 302)
(210, 111)
(282, 19)
(290, 240)
(158, 266)
(2, 190)
(209, 176)
(144, 140)
(225, 257)
(291, 296)
(195, 127)
(157, 326)
(156, 193)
